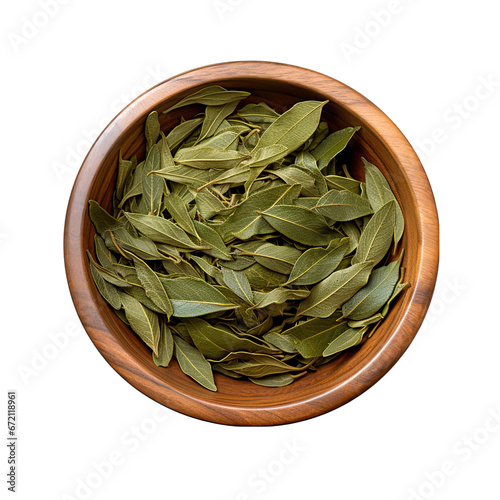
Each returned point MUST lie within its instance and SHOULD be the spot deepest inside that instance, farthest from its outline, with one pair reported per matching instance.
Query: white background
(63, 81)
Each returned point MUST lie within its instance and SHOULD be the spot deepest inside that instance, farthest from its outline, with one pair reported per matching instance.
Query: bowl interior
(352, 370)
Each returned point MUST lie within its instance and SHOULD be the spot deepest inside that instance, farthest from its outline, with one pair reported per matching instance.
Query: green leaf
(103, 254)
(399, 288)
(377, 236)
(101, 219)
(278, 296)
(178, 210)
(258, 113)
(374, 294)
(125, 169)
(208, 204)
(297, 175)
(210, 96)
(316, 264)
(212, 271)
(347, 339)
(153, 287)
(122, 241)
(351, 229)
(307, 160)
(340, 183)
(182, 131)
(211, 241)
(334, 290)
(152, 185)
(143, 321)
(342, 206)
(255, 365)
(139, 294)
(165, 347)
(107, 290)
(262, 157)
(379, 194)
(189, 176)
(214, 116)
(152, 129)
(278, 380)
(262, 279)
(332, 145)
(109, 276)
(279, 258)
(206, 158)
(299, 224)
(194, 364)
(216, 342)
(246, 220)
(376, 318)
(238, 282)
(280, 341)
(293, 127)
(161, 230)
(192, 297)
(311, 337)
(221, 140)
(166, 159)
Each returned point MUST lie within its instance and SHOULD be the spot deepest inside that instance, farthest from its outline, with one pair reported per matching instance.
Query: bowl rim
(132, 370)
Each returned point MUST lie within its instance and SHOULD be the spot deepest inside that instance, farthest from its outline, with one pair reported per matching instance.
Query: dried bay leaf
(143, 321)
(107, 290)
(206, 158)
(194, 364)
(216, 342)
(211, 241)
(182, 131)
(258, 113)
(347, 339)
(334, 290)
(278, 296)
(281, 341)
(246, 221)
(399, 288)
(278, 380)
(178, 210)
(153, 287)
(192, 297)
(165, 347)
(342, 206)
(210, 96)
(316, 264)
(332, 145)
(152, 129)
(299, 224)
(238, 282)
(379, 193)
(189, 176)
(313, 336)
(293, 127)
(278, 258)
(125, 168)
(214, 115)
(152, 185)
(374, 294)
(161, 230)
(377, 236)
(263, 279)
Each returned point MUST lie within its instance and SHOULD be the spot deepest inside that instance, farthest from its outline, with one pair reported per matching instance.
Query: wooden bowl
(239, 402)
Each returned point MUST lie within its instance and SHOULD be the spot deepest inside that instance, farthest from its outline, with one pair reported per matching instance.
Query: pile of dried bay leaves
(240, 245)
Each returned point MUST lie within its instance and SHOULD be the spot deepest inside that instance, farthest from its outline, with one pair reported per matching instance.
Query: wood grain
(238, 402)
